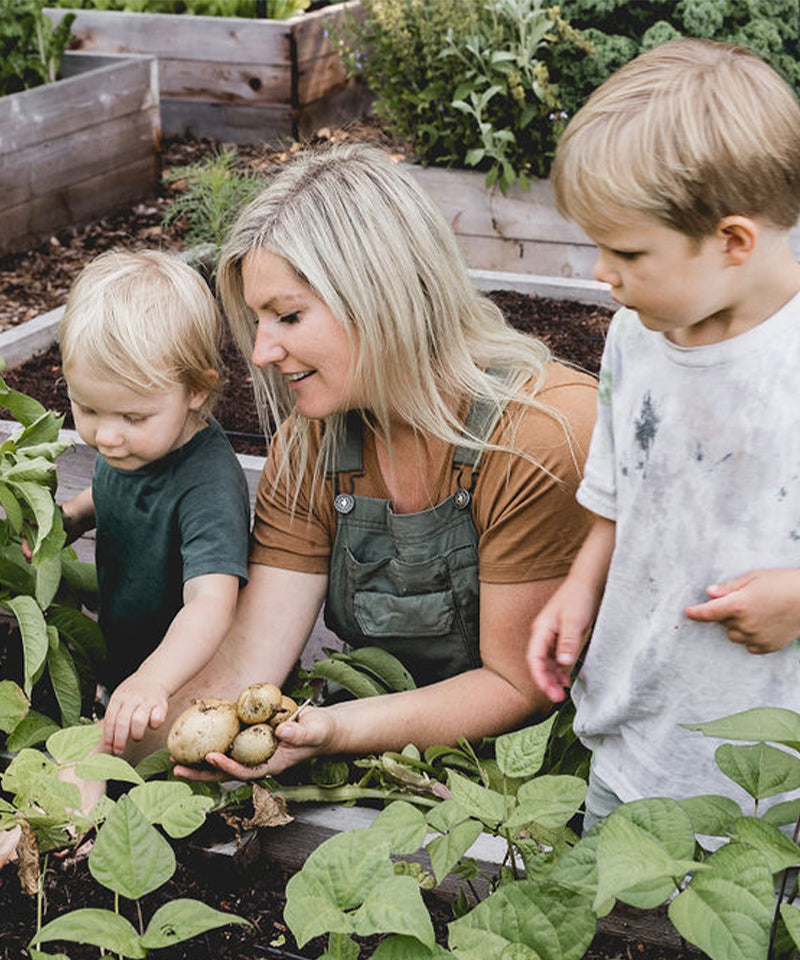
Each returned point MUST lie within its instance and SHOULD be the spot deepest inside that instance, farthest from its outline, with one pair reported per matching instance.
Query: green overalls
(408, 582)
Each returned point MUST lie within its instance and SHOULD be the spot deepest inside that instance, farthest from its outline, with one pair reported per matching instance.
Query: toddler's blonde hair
(689, 133)
(147, 320)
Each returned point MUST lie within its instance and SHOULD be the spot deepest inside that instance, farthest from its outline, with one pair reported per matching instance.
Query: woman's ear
(739, 236)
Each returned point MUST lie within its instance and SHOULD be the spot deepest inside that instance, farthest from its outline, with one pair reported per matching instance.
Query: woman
(421, 483)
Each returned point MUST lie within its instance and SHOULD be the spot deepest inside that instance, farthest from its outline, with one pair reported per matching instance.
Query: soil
(33, 282)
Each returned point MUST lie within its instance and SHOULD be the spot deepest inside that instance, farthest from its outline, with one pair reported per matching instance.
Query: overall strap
(480, 422)
(347, 455)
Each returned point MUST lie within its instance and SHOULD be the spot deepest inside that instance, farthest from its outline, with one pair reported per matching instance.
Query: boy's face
(678, 286)
(131, 429)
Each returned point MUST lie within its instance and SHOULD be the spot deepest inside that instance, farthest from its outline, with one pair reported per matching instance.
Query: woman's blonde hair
(355, 226)
(689, 132)
(147, 320)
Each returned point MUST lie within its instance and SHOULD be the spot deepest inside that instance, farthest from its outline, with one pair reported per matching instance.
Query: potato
(285, 710)
(207, 726)
(254, 745)
(258, 702)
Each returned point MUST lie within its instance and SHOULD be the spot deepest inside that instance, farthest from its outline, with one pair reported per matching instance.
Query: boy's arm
(78, 514)
(561, 629)
(191, 640)
(760, 609)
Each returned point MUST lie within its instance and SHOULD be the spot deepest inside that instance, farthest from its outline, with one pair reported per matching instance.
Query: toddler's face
(678, 286)
(128, 428)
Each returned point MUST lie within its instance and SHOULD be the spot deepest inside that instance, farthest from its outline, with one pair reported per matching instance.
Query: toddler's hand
(136, 704)
(760, 609)
(558, 636)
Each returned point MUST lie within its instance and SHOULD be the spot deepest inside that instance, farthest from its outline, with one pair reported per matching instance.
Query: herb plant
(30, 46)
(269, 9)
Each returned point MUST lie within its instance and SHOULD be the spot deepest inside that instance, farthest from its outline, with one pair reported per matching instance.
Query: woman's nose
(267, 348)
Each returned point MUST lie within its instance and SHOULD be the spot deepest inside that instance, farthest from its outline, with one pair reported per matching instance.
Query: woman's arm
(493, 698)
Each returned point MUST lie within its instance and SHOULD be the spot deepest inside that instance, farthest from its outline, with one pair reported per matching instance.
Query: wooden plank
(318, 77)
(240, 82)
(335, 108)
(535, 257)
(181, 36)
(313, 32)
(80, 101)
(237, 123)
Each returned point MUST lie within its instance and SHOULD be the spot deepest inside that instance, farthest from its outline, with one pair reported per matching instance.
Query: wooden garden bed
(78, 149)
(231, 78)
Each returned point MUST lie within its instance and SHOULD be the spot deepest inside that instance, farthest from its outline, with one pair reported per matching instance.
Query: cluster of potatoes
(243, 730)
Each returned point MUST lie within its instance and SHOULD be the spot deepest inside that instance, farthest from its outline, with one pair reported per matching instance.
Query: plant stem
(310, 793)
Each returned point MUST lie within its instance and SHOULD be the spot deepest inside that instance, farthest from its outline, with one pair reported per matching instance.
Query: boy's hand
(559, 634)
(137, 703)
(760, 609)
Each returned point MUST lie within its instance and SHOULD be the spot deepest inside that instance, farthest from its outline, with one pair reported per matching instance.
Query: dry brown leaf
(28, 855)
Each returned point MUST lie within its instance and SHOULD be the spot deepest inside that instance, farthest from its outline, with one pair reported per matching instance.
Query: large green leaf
(11, 508)
(446, 851)
(555, 923)
(774, 724)
(102, 766)
(791, 917)
(174, 805)
(101, 928)
(74, 743)
(24, 408)
(521, 753)
(760, 769)
(182, 919)
(34, 636)
(645, 849)
(42, 505)
(32, 729)
(14, 705)
(402, 826)
(79, 575)
(81, 632)
(776, 848)
(549, 801)
(130, 856)
(408, 948)
(311, 909)
(395, 906)
(48, 579)
(727, 911)
(483, 804)
(712, 814)
(64, 677)
(17, 574)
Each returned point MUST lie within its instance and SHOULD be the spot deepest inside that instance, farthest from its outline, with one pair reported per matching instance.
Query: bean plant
(547, 897)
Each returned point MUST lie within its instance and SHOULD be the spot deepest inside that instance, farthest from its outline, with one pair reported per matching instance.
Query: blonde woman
(421, 483)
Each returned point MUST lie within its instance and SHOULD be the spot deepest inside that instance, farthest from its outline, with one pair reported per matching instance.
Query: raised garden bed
(232, 78)
(77, 149)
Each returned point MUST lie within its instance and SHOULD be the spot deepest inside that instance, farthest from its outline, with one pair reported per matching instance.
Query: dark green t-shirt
(183, 516)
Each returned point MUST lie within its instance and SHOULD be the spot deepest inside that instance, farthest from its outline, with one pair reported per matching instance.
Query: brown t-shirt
(528, 521)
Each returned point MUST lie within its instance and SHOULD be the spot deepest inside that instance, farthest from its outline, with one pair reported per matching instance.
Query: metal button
(462, 499)
(344, 502)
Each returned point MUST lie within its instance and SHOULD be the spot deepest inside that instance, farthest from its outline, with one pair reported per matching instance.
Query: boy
(684, 168)
(140, 352)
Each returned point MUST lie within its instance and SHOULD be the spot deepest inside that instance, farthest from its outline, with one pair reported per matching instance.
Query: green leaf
(154, 763)
(445, 815)
(550, 801)
(402, 827)
(395, 906)
(34, 728)
(34, 636)
(337, 671)
(43, 506)
(577, 869)
(81, 632)
(38, 955)
(384, 666)
(776, 848)
(173, 805)
(17, 575)
(774, 724)
(521, 753)
(130, 856)
(486, 805)
(101, 928)
(445, 851)
(182, 919)
(48, 580)
(102, 766)
(791, 917)
(711, 814)
(14, 705)
(760, 769)
(645, 848)
(311, 910)
(341, 947)
(554, 923)
(727, 911)
(11, 508)
(408, 948)
(74, 743)
(65, 679)
(24, 408)
(782, 813)
(79, 575)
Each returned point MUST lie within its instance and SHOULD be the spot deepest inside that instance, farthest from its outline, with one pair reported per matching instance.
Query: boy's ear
(739, 236)
(198, 397)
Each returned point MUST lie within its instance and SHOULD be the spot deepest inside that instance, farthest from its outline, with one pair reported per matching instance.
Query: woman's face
(298, 335)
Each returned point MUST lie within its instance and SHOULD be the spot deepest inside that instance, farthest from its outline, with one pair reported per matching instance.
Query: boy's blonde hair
(147, 320)
(356, 227)
(689, 132)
